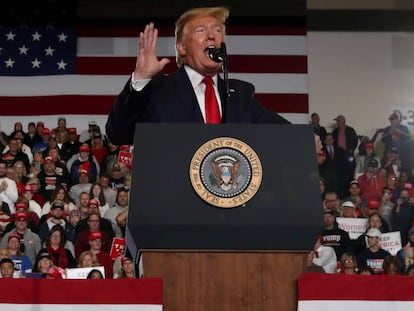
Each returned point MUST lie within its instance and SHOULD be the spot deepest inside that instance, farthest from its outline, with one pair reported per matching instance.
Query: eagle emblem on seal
(225, 172)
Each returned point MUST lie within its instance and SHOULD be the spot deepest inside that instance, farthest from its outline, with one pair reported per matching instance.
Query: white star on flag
(23, 50)
(62, 37)
(36, 36)
(9, 63)
(61, 65)
(36, 63)
(49, 51)
(10, 36)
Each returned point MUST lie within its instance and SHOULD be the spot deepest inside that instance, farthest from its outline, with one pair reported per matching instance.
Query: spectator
(373, 256)
(355, 197)
(392, 162)
(104, 224)
(83, 185)
(333, 169)
(317, 128)
(34, 182)
(346, 139)
(403, 214)
(21, 262)
(372, 182)
(117, 180)
(95, 274)
(14, 154)
(60, 167)
(122, 202)
(386, 207)
(109, 193)
(396, 134)
(110, 158)
(348, 263)
(96, 193)
(98, 148)
(365, 159)
(32, 137)
(332, 236)
(371, 209)
(43, 263)
(331, 202)
(59, 194)
(348, 210)
(127, 268)
(29, 241)
(61, 125)
(95, 241)
(406, 254)
(71, 146)
(49, 179)
(33, 205)
(83, 161)
(56, 218)
(44, 143)
(325, 257)
(7, 268)
(82, 243)
(33, 220)
(87, 260)
(391, 265)
(8, 187)
(55, 246)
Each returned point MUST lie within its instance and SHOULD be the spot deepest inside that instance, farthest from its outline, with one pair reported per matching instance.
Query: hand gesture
(147, 64)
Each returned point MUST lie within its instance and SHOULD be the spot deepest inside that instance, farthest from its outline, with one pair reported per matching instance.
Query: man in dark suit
(180, 98)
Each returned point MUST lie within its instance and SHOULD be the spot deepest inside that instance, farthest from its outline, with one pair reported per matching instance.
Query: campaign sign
(82, 273)
(391, 242)
(354, 226)
(117, 248)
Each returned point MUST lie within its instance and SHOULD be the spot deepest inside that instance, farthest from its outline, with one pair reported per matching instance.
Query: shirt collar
(196, 78)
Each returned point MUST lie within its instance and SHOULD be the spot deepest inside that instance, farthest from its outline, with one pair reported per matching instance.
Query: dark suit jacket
(171, 99)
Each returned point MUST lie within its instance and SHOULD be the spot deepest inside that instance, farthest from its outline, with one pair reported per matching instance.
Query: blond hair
(220, 13)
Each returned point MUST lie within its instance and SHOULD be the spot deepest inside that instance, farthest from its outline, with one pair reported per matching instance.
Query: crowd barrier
(89, 295)
(340, 292)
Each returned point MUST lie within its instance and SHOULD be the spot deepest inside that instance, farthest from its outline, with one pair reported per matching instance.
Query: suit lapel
(187, 97)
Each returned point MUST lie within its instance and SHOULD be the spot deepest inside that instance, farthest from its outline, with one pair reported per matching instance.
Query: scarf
(59, 256)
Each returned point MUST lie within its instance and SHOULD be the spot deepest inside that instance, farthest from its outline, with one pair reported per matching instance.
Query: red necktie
(211, 104)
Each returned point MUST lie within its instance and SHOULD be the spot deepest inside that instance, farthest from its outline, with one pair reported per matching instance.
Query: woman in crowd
(55, 242)
(95, 274)
(96, 193)
(87, 259)
(59, 194)
(43, 263)
(127, 268)
(391, 265)
(348, 263)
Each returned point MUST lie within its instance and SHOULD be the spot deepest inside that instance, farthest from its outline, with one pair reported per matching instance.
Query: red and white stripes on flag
(340, 292)
(88, 295)
(274, 59)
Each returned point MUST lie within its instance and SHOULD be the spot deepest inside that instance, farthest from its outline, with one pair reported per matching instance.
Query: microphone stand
(226, 81)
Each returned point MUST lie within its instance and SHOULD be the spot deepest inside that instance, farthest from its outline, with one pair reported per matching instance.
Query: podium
(246, 256)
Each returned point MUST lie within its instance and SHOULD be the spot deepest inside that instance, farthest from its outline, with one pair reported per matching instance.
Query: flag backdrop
(88, 295)
(340, 292)
(84, 85)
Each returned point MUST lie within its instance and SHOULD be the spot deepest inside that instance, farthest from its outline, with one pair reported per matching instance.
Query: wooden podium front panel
(226, 281)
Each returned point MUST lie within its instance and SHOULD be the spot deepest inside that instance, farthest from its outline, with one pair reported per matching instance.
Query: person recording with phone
(403, 214)
(195, 93)
(372, 182)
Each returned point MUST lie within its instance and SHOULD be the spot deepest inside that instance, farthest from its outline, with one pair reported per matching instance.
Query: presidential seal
(225, 172)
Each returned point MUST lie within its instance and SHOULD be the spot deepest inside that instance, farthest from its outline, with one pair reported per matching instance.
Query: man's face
(354, 190)
(315, 119)
(329, 140)
(57, 212)
(330, 201)
(104, 181)
(7, 270)
(13, 146)
(348, 212)
(122, 199)
(375, 222)
(93, 222)
(328, 220)
(373, 241)
(83, 178)
(198, 34)
(96, 244)
(21, 224)
(84, 200)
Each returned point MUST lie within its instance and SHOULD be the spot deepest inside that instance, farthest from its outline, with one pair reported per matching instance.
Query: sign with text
(391, 242)
(117, 248)
(354, 226)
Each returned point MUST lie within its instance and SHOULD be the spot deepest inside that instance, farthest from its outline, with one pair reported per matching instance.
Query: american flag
(273, 58)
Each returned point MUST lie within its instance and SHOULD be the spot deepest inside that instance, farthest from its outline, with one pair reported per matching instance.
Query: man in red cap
(71, 146)
(27, 194)
(83, 185)
(85, 161)
(104, 259)
(48, 178)
(30, 243)
(33, 220)
(396, 134)
(41, 146)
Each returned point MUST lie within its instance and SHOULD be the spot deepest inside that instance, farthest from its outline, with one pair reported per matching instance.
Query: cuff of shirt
(138, 85)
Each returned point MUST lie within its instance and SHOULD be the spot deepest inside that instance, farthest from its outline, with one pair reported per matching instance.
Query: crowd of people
(64, 196)
(372, 179)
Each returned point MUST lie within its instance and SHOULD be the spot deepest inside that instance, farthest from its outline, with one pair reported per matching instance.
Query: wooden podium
(210, 258)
